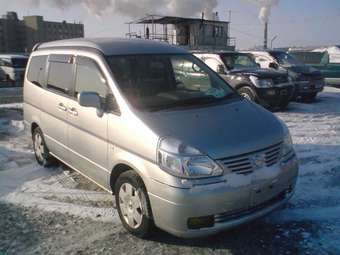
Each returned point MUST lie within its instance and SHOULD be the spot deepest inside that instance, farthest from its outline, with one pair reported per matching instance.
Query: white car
(12, 67)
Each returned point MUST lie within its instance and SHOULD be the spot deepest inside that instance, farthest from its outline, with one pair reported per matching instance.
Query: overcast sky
(295, 22)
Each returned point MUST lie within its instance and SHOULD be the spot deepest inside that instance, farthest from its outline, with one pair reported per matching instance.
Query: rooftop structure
(190, 33)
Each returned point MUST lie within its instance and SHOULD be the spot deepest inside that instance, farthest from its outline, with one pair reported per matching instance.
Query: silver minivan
(153, 125)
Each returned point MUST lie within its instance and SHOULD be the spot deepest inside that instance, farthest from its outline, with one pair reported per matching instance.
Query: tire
(247, 93)
(310, 97)
(283, 105)
(41, 152)
(133, 204)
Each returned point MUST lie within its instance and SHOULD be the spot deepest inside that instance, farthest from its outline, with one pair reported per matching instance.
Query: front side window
(36, 71)
(154, 82)
(89, 77)
(239, 61)
(60, 75)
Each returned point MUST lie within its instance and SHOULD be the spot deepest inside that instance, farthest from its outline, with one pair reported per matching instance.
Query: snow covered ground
(310, 222)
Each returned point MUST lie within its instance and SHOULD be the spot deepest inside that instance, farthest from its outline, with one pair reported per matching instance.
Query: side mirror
(220, 69)
(91, 99)
(273, 65)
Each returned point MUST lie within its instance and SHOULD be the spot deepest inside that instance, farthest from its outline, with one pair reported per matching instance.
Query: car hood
(304, 69)
(260, 73)
(219, 131)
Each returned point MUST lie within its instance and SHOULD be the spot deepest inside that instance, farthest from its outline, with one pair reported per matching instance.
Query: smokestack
(265, 44)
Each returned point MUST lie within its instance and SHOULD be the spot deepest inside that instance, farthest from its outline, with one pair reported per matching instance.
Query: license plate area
(283, 92)
(264, 194)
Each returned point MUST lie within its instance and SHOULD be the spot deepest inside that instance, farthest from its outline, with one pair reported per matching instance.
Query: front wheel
(310, 97)
(283, 105)
(133, 204)
(247, 93)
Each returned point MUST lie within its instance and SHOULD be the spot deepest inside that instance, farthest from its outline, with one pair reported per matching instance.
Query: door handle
(62, 107)
(73, 111)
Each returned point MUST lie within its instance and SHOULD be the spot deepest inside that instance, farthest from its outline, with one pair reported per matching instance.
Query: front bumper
(308, 87)
(275, 96)
(237, 200)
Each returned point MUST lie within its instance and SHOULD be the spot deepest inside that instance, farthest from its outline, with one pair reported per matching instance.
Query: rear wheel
(133, 204)
(310, 97)
(41, 151)
(283, 105)
(247, 93)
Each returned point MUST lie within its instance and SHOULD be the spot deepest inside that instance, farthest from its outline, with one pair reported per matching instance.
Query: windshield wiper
(196, 101)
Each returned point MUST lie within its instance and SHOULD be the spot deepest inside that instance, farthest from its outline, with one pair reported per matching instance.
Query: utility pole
(265, 43)
(272, 41)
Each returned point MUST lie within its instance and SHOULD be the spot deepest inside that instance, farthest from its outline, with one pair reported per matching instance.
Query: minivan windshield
(239, 61)
(160, 82)
(286, 59)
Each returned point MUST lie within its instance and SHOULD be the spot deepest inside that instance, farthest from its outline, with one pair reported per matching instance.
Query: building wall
(203, 35)
(11, 29)
(21, 35)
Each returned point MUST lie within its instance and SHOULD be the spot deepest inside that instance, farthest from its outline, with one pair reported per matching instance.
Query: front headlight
(287, 145)
(293, 75)
(184, 161)
(290, 79)
(262, 83)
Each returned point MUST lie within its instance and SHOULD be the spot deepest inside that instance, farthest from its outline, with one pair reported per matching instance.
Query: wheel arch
(120, 168)
(244, 84)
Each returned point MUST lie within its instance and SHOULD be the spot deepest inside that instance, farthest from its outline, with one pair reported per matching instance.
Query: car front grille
(280, 80)
(248, 162)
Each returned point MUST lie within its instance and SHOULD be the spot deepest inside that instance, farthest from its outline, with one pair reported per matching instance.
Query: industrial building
(190, 33)
(21, 35)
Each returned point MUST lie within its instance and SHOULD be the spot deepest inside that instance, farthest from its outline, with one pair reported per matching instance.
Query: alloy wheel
(131, 205)
(39, 148)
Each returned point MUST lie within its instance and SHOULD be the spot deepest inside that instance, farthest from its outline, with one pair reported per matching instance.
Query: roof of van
(214, 52)
(116, 46)
(12, 56)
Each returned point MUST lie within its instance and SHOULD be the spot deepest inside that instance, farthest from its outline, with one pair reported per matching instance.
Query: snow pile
(333, 51)
(45, 189)
(316, 133)
(11, 106)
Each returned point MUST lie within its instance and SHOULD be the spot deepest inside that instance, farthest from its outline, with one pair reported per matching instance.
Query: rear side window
(61, 73)
(37, 71)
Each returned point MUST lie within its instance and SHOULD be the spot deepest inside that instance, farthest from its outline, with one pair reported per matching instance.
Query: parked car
(321, 61)
(12, 67)
(190, 157)
(308, 80)
(269, 88)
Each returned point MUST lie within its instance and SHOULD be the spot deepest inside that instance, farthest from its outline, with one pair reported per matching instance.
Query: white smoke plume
(136, 8)
(266, 7)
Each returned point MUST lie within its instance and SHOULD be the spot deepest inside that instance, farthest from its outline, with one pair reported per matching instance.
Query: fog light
(201, 222)
(271, 92)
